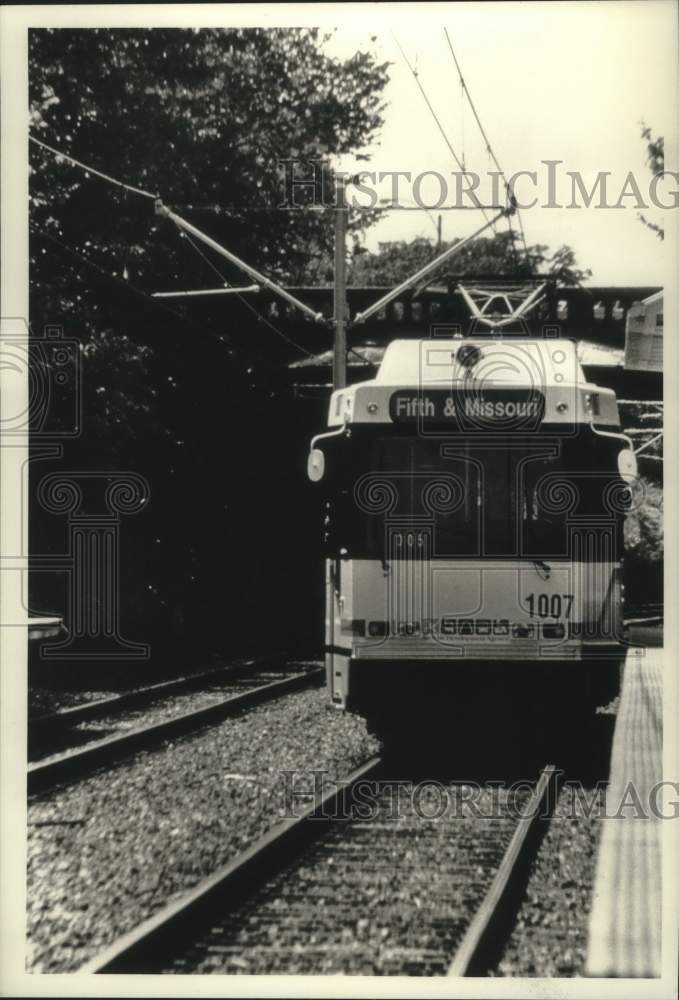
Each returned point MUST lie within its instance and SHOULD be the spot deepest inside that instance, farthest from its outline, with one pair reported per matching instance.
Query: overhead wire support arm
(361, 317)
(205, 291)
(256, 276)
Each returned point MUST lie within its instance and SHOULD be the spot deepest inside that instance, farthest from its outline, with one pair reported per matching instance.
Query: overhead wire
(157, 303)
(383, 206)
(441, 129)
(223, 339)
(512, 241)
(462, 122)
(489, 147)
(215, 269)
(161, 305)
(255, 311)
(93, 170)
(242, 299)
(147, 194)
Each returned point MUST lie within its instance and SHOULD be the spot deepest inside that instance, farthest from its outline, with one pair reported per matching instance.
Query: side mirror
(315, 465)
(627, 465)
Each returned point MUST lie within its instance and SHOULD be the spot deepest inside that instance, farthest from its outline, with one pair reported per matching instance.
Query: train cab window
(400, 483)
(474, 498)
(443, 493)
(578, 487)
(545, 501)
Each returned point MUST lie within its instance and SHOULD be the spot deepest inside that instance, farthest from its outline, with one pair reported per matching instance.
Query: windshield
(467, 498)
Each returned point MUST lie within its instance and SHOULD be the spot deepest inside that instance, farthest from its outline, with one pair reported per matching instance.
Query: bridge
(593, 315)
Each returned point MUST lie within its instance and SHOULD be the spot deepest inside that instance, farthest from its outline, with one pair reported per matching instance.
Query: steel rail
(138, 696)
(478, 948)
(147, 948)
(74, 764)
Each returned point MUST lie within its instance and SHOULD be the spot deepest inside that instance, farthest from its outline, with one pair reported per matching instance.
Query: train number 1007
(549, 605)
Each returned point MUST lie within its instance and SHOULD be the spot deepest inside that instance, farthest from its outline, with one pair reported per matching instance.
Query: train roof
(515, 361)
(498, 370)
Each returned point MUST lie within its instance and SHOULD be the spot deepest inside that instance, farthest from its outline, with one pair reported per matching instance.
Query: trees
(499, 254)
(201, 117)
(655, 160)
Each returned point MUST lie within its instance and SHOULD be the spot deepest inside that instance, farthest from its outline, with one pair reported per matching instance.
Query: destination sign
(469, 410)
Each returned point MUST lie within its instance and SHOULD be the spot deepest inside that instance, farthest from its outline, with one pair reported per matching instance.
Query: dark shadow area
(501, 726)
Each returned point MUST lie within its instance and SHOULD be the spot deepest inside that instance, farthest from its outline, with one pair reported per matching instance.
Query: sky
(550, 81)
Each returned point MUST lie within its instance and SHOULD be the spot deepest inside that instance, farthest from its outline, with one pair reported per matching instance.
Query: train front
(475, 492)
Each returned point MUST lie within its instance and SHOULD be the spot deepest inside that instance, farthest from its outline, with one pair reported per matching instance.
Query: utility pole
(339, 365)
(439, 224)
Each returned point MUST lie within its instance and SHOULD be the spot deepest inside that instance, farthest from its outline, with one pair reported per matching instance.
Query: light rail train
(474, 492)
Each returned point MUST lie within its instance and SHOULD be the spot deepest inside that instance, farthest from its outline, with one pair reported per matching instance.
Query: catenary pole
(339, 365)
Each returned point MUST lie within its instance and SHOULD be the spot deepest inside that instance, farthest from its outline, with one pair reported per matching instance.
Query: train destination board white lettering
(436, 406)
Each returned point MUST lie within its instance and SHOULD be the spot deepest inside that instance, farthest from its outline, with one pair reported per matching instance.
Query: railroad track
(76, 762)
(334, 890)
(644, 614)
(482, 943)
(48, 724)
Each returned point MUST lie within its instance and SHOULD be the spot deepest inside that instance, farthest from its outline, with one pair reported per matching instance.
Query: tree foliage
(202, 118)
(655, 160)
(644, 535)
(499, 254)
(655, 150)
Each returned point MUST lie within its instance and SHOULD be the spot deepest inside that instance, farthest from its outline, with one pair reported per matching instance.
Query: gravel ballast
(42, 699)
(389, 894)
(160, 709)
(106, 853)
(74, 687)
(549, 937)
